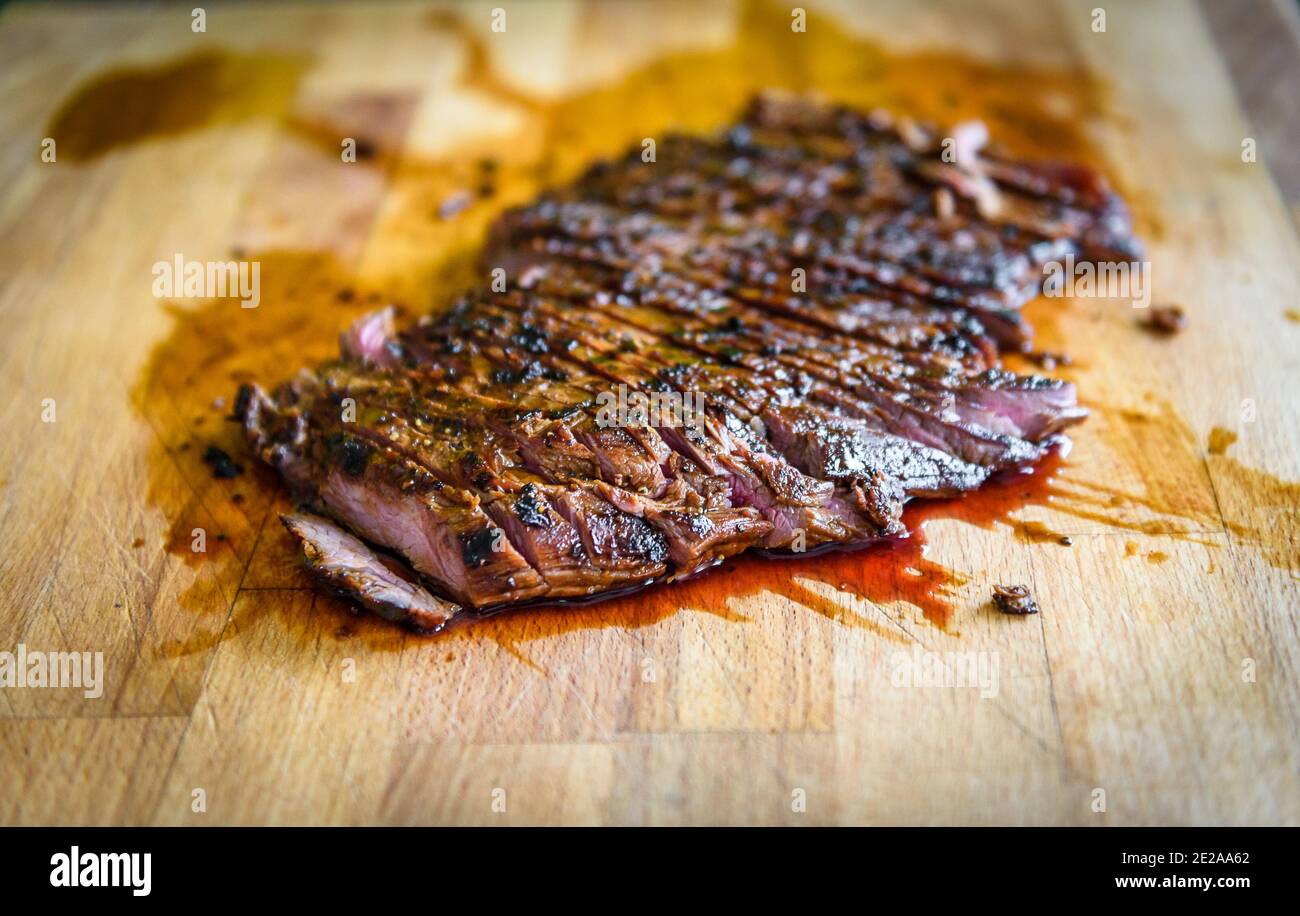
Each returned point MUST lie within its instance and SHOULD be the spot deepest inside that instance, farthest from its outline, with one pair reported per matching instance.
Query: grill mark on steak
(755, 261)
(478, 450)
(844, 189)
(396, 504)
(477, 461)
(691, 507)
(757, 267)
(698, 533)
(896, 399)
(786, 497)
(737, 396)
(936, 347)
(1008, 450)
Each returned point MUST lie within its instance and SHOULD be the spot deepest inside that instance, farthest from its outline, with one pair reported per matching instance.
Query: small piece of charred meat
(223, 466)
(349, 568)
(1166, 319)
(1014, 599)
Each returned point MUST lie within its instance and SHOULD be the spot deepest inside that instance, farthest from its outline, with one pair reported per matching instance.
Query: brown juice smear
(1221, 440)
(126, 106)
(1036, 111)
(420, 252)
(189, 383)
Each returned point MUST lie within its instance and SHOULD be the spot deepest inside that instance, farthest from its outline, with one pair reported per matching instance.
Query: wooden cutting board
(1157, 686)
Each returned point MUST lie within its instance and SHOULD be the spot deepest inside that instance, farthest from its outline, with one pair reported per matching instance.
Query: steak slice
(498, 445)
(768, 338)
(442, 532)
(352, 570)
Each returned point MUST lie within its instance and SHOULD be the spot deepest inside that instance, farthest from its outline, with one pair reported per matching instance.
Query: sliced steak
(772, 337)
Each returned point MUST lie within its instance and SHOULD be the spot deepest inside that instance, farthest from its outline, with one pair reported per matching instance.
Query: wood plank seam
(207, 668)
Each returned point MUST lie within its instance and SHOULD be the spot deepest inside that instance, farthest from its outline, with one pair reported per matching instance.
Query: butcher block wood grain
(1157, 686)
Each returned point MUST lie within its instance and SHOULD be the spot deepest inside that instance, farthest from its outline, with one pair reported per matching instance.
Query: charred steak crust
(769, 338)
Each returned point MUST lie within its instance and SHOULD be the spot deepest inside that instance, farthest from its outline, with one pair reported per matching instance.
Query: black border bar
(366, 865)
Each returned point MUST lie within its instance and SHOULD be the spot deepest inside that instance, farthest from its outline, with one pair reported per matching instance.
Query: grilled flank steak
(823, 288)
